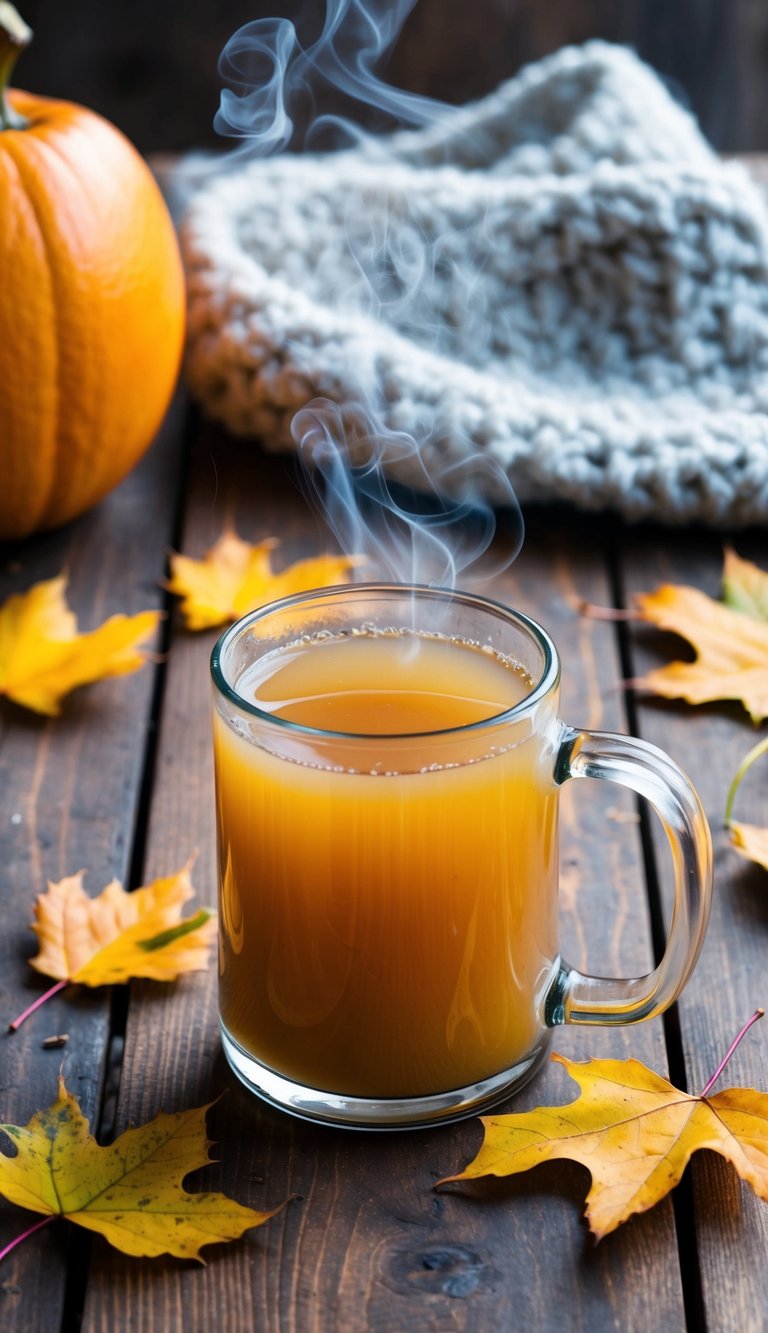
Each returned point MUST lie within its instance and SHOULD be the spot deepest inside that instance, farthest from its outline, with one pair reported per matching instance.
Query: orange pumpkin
(91, 305)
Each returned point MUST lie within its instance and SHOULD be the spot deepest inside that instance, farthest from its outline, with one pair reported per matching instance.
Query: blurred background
(150, 65)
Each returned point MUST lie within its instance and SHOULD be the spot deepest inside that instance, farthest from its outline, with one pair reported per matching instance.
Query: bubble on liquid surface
(274, 738)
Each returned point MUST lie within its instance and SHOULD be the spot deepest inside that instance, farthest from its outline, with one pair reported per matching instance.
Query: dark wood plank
(367, 1244)
(729, 982)
(69, 789)
(152, 69)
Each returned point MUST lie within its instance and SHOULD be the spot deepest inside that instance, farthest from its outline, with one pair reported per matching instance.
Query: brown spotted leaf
(131, 1192)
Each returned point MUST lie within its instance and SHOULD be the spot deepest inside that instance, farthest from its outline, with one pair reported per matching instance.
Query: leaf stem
(30, 1231)
(41, 999)
(743, 768)
(757, 1014)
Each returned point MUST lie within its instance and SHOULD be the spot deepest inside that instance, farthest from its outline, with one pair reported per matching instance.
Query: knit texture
(562, 275)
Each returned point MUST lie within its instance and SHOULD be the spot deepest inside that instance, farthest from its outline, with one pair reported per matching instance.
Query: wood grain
(366, 1243)
(69, 791)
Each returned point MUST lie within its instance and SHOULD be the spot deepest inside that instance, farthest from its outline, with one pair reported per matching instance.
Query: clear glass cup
(388, 902)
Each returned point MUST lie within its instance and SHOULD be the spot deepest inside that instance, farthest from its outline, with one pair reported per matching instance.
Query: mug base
(332, 1108)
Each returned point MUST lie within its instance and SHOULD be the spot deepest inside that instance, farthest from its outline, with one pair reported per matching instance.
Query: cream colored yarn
(568, 279)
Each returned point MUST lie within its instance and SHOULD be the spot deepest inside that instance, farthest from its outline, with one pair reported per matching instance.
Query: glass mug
(388, 762)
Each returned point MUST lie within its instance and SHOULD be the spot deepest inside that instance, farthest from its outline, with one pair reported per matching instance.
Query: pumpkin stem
(15, 36)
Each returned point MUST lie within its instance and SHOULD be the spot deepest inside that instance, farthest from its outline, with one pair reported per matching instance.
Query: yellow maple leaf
(634, 1132)
(109, 939)
(235, 577)
(749, 840)
(117, 935)
(730, 639)
(42, 656)
(131, 1192)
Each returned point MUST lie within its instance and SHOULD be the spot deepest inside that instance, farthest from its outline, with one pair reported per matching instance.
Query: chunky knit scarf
(562, 275)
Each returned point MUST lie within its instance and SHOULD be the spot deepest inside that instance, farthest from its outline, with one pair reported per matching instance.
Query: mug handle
(577, 997)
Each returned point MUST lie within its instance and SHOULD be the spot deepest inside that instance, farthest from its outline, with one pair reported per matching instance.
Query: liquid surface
(385, 684)
(387, 905)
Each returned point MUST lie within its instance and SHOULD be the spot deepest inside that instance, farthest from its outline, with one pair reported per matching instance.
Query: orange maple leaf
(109, 939)
(235, 577)
(42, 656)
(634, 1132)
(730, 639)
(131, 1191)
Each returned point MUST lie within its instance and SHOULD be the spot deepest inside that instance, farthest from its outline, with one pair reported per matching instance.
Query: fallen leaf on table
(131, 1192)
(235, 577)
(42, 656)
(116, 936)
(751, 842)
(745, 586)
(635, 1133)
(119, 935)
(730, 638)
(748, 839)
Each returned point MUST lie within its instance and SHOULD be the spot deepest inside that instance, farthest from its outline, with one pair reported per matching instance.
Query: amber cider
(388, 860)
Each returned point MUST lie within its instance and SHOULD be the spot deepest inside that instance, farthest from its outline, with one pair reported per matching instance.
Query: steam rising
(288, 93)
(277, 84)
(419, 534)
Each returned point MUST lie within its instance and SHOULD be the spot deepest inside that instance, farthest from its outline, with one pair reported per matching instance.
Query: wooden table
(122, 784)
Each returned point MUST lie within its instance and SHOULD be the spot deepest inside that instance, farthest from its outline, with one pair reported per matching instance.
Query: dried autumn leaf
(749, 840)
(634, 1132)
(118, 935)
(235, 577)
(745, 587)
(730, 639)
(131, 1192)
(42, 656)
(106, 940)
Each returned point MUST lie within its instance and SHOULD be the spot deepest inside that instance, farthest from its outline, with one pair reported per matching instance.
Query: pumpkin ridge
(48, 146)
(29, 182)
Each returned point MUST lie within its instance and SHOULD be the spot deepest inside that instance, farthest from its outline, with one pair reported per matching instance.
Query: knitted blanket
(562, 275)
